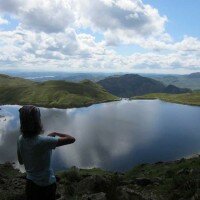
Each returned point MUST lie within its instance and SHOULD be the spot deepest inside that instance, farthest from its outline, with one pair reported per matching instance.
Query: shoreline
(168, 101)
(191, 99)
(101, 102)
(60, 107)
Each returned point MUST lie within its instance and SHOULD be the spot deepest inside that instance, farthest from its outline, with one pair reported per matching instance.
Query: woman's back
(36, 155)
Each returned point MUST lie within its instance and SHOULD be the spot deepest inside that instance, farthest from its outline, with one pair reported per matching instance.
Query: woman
(34, 151)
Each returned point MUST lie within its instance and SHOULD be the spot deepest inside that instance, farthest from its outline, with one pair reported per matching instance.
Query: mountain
(60, 94)
(172, 89)
(133, 85)
(130, 85)
(191, 81)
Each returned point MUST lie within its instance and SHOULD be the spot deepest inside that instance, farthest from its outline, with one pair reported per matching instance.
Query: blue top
(36, 156)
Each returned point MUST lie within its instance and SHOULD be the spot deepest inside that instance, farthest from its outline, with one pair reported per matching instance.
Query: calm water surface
(113, 136)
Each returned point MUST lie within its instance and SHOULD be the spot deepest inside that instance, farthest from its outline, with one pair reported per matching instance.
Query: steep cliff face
(160, 181)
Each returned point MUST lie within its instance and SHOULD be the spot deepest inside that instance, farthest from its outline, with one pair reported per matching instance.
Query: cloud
(188, 44)
(72, 51)
(11, 6)
(48, 16)
(24, 48)
(51, 35)
(40, 15)
(120, 20)
(3, 21)
(125, 18)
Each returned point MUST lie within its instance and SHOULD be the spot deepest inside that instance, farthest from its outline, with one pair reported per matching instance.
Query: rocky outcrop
(12, 183)
(160, 181)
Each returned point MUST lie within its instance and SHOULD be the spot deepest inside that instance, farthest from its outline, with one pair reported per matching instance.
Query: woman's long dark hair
(30, 122)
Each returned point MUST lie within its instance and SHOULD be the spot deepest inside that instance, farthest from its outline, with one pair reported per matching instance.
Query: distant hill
(132, 85)
(171, 89)
(6, 80)
(65, 76)
(60, 94)
(191, 81)
(194, 75)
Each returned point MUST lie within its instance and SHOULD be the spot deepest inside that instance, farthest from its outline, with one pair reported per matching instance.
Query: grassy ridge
(60, 94)
(186, 98)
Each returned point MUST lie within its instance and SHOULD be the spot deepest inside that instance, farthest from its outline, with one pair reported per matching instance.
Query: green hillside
(192, 98)
(60, 94)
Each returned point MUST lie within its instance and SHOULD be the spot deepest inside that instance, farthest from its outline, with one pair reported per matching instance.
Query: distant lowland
(76, 91)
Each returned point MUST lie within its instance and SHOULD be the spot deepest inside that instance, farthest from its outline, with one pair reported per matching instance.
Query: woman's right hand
(63, 138)
(53, 134)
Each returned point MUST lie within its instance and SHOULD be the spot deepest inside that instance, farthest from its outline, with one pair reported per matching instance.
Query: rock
(194, 171)
(2, 181)
(143, 181)
(126, 182)
(157, 180)
(58, 195)
(96, 196)
(159, 162)
(196, 196)
(21, 176)
(183, 172)
(125, 193)
(93, 184)
(181, 160)
(2, 175)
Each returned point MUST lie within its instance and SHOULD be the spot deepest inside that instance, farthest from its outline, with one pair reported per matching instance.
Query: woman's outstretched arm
(63, 139)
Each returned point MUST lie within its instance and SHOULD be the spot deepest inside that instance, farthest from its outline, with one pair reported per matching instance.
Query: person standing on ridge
(34, 150)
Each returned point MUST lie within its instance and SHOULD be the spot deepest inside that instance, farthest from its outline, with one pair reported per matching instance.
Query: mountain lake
(114, 136)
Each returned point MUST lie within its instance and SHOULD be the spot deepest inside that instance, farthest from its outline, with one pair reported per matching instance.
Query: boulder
(93, 184)
(96, 196)
(143, 181)
(183, 172)
(125, 193)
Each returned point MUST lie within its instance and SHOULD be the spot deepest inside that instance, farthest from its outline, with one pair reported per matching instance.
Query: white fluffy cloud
(120, 20)
(50, 35)
(48, 16)
(69, 50)
(40, 15)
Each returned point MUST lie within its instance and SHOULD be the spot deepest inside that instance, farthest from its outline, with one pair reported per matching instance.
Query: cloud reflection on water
(115, 135)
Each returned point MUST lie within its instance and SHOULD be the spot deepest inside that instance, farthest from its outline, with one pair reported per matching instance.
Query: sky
(136, 36)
